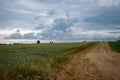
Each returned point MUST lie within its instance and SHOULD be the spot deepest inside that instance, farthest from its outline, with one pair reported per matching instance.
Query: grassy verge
(35, 61)
(58, 59)
(115, 46)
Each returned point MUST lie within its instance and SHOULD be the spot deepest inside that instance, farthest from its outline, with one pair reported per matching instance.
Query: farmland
(35, 61)
(115, 45)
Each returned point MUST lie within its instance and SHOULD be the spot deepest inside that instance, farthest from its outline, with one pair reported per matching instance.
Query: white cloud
(61, 20)
(109, 2)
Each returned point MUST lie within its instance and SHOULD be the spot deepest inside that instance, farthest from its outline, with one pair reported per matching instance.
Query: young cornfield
(35, 61)
(115, 45)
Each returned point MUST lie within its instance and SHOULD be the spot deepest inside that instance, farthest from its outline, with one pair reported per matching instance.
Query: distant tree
(52, 42)
(118, 40)
(38, 42)
(84, 41)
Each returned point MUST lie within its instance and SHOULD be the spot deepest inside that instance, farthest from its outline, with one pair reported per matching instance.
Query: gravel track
(98, 62)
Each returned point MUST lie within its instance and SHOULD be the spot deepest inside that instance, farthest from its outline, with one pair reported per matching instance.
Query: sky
(59, 20)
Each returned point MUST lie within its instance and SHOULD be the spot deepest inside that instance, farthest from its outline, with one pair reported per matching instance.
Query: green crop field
(115, 45)
(35, 61)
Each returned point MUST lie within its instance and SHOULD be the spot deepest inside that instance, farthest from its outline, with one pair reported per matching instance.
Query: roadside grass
(60, 58)
(35, 61)
(115, 45)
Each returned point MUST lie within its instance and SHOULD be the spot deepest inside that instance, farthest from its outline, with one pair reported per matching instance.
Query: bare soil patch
(97, 62)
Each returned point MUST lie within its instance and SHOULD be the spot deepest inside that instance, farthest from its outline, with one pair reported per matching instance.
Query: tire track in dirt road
(98, 62)
(105, 59)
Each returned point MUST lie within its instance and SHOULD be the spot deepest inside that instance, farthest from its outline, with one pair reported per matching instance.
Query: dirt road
(98, 62)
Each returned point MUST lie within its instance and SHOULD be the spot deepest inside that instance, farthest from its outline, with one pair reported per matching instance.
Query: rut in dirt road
(106, 60)
(95, 63)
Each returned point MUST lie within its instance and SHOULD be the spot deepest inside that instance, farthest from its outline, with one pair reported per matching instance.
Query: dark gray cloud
(63, 24)
(29, 36)
(18, 35)
(40, 26)
(60, 29)
(51, 12)
(106, 16)
(49, 2)
(61, 20)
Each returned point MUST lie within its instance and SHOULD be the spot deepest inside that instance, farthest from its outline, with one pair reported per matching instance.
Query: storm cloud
(60, 20)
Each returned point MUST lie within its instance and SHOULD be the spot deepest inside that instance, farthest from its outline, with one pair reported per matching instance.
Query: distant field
(115, 45)
(34, 61)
